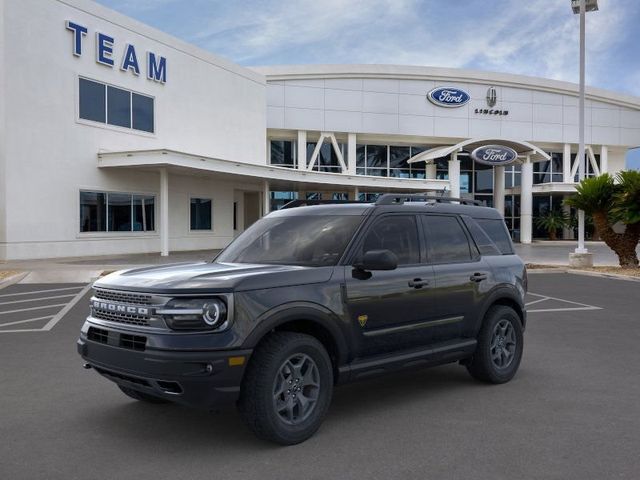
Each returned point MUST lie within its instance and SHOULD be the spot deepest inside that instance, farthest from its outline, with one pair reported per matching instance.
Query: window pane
(143, 213)
(119, 212)
(377, 156)
(142, 112)
(360, 159)
(93, 212)
(282, 153)
(92, 101)
(556, 162)
(397, 234)
(398, 157)
(200, 214)
(497, 231)
(118, 107)
(446, 240)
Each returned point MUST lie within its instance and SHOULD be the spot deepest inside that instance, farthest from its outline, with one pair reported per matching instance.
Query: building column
(164, 212)
(302, 150)
(353, 194)
(498, 189)
(566, 164)
(266, 198)
(526, 202)
(454, 175)
(567, 231)
(351, 153)
(604, 159)
(431, 171)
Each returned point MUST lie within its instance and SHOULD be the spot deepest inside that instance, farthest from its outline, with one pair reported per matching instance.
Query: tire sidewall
(496, 315)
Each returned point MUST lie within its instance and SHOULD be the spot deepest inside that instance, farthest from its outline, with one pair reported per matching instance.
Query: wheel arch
(508, 298)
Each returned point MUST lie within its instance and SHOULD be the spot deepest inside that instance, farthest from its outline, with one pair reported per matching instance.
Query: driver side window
(397, 233)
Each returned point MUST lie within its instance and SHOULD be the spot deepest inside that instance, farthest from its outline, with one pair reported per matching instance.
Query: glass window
(446, 239)
(308, 240)
(118, 107)
(144, 213)
(397, 233)
(92, 101)
(497, 232)
(143, 113)
(93, 212)
(119, 212)
(398, 166)
(280, 199)
(377, 156)
(283, 153)
(201, 214)
(483, 242)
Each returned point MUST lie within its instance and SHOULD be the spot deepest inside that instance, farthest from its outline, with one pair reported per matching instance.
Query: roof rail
(395, 199)
(304, 203)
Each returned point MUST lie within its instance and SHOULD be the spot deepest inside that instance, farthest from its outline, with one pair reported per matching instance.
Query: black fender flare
(502, 292)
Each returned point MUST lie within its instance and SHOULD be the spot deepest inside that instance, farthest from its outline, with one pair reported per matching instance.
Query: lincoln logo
(494, 155)
(448, 97)
(492, 97)
(112, 307)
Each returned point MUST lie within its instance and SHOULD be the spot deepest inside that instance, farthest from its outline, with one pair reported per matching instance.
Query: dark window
(118, 107)
(92, 101)
(93, 212)
(482, 240)
(283, 153)
(497, 231)
(235, 215)
(280, 199)
(446, 239)
(200, 214)
(142, 113)
(143, 213)
(397, 233)
(119, 212)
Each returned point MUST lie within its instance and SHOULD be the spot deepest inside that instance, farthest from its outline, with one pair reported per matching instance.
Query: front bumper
(202, 379)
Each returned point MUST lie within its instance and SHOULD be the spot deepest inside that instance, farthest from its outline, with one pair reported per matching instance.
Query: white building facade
(117, 138)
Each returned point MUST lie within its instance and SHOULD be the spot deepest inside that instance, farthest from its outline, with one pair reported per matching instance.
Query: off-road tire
(257, 404)
(141, 396)
(482, 365)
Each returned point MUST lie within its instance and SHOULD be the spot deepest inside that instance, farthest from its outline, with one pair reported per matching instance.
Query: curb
(572, 271)
(13, 279)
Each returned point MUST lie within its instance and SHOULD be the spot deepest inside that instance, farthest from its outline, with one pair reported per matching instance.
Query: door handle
(478, 277)
(418, 283)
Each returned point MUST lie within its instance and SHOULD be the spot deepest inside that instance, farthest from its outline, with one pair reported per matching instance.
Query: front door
(390, 310)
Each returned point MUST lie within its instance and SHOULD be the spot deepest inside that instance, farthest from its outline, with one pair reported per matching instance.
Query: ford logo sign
(494, 155)
(448, 97)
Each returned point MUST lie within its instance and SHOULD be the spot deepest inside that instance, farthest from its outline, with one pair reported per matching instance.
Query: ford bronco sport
(310, 297)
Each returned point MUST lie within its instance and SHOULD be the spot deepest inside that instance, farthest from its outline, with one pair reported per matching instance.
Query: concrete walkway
(557, 253)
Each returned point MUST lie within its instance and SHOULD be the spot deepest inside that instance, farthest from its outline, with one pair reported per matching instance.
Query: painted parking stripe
(38, 299)
(68, 307)
(536, 301)
(33, 308)
(25, 321)
(40, 291)
(579, 306)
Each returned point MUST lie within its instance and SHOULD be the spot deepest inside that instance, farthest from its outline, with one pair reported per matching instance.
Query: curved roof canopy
(522, 148)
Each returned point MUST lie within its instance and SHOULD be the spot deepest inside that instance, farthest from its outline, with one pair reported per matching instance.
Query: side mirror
(378, 260)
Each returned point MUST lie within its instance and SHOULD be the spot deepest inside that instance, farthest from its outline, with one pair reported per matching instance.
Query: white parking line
(40, 291)
(37, 299)
(33, 308)
(69, 306)
(543, 298)
(24, 321)
(536, 301)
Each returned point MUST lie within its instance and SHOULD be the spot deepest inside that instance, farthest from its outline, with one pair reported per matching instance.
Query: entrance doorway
(251, 208)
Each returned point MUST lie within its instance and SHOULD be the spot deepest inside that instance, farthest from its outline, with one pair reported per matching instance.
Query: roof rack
(303, 203)
(394, 199)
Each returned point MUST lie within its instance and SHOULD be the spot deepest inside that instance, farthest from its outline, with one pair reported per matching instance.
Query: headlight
(194, 314)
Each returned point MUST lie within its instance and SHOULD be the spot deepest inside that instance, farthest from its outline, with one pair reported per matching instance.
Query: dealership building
(118, 138)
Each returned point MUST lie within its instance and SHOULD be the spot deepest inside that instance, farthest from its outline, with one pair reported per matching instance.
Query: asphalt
(572, 412)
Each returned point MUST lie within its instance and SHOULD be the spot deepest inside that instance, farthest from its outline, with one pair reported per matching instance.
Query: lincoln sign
(494, 155)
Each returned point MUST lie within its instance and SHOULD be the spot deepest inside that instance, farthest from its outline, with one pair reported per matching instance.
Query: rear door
(461, 276)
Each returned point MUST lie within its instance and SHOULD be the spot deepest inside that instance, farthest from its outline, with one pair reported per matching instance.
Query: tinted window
(396, 233)
(283, 153)
(200, 214)
(446, 239)
(118, 107)
(142, 112)
(498, 233)
(119, 205)
(92, 101)
(93, 212)
(482, 240)
(143, 213)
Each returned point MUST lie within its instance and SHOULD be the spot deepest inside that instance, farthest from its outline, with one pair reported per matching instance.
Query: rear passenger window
(483, 242)
(498, 233)
(397, 233)
(446, 240)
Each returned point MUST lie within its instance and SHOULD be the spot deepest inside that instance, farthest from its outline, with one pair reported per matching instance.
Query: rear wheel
(141, 396)
(500, 344)
(287, 388)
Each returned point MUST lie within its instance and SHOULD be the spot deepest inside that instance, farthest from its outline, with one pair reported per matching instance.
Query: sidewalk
(557, 253)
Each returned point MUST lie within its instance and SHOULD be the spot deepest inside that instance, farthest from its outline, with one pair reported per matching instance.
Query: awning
(522, 148)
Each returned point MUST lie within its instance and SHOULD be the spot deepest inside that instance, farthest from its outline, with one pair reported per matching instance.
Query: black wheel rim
(503, 344)
(296, 389)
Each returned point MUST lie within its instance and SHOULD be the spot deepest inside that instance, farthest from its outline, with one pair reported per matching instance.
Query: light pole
(580, 7)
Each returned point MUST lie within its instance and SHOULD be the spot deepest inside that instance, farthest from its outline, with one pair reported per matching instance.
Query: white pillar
(431, 171)
(604, 159)
(567, 231)
(353, 194)
(351, 153)
(302, 150)
(454, 175)
(266, 198)
(566, 164)
(526, 202)
(498, 189)
(164, 212)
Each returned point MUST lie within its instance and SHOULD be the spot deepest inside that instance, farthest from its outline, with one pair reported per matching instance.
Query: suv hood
(219, 277)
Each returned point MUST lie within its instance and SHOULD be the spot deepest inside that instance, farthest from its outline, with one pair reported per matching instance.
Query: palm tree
(610, 202)
(552, 221)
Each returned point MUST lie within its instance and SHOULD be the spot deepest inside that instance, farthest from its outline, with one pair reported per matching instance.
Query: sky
(529, 37)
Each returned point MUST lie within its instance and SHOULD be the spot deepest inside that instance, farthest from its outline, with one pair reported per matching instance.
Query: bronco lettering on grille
(113, 307)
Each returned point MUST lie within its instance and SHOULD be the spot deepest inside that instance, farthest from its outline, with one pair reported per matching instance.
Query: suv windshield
(314, 240)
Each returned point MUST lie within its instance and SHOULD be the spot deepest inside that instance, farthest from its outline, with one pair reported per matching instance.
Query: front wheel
(500, 344)
(287, 388)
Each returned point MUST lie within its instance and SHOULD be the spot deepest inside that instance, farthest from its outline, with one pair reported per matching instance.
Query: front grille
(128, 318)
(123, 297)
(133, 342)
(98, 335)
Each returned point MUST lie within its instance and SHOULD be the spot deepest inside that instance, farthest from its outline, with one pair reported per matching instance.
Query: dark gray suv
(309, 297)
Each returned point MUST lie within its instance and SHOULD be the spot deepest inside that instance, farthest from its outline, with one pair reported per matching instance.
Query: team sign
(156, 65)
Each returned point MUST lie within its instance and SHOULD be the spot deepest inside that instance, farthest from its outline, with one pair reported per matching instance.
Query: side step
(436, 354)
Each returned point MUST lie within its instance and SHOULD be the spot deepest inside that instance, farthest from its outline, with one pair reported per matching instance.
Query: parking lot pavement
(572, 412)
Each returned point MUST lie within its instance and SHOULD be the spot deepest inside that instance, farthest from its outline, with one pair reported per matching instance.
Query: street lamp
(580, 7)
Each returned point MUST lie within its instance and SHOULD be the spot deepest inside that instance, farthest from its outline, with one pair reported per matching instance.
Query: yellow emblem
(362, 320)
